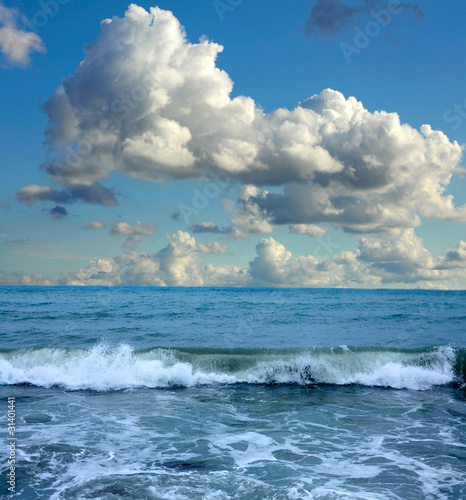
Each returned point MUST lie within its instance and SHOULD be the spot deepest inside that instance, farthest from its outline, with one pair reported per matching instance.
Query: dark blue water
(234, 393)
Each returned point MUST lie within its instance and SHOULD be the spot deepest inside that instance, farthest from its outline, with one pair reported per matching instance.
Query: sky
(313, 143)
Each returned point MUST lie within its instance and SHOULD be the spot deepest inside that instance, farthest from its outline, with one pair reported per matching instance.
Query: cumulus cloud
(178, 264)
(391, 174)
(249, 217)
(396, 259)
(16, 44)
(399, 256)
(274, 265)
(146, 103)
(22, 279)
(94, 225)
(94, 194)
(134, 233)
(328, 17)
(457, 253)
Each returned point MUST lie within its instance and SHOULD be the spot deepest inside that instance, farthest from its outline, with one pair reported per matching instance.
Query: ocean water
(170, 393)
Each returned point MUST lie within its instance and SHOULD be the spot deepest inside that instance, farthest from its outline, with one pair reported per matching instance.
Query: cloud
(4, 206)
(428, 286)
(134, 233)
(169, 114)
(94, 225)
(214, 248)
(177, 264)
(457, 253)
(328, 17)
(390, 174)
(22, 279)
(396, 259)
(398, 255)
(308, 229)
(207, 227)
(274, 265)
(57, 213)
(211, 228)
(249, 218)
(146, 103)
(16, 44)
(94, 194)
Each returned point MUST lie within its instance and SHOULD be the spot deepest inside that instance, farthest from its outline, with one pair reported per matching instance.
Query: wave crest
(103, 368)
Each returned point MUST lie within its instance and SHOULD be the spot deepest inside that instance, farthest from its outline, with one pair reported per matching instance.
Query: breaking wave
(103, 368)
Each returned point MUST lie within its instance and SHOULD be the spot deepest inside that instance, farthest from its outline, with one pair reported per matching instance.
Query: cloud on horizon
(394, 259)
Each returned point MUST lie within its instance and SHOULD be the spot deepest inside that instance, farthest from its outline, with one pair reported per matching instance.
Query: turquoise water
(163, 393)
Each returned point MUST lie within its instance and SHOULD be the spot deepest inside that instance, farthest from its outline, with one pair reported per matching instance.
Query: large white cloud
(391, 174)
(16, 44)
(148, 104)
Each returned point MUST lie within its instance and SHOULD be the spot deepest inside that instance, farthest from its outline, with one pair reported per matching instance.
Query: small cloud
(212, 228)
(94, 225)
(57, 213)
(175, 216)
(208, 227)
(329, 17)
(308, 229)
(134, 234)
(17, 45)
(95, 194)
(4, 206)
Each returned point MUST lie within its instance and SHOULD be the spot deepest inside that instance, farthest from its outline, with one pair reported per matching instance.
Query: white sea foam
(103, 368)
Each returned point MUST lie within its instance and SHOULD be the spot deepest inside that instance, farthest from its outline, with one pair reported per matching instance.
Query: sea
(227, 393)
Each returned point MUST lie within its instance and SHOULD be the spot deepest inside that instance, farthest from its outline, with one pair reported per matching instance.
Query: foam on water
(103, 368)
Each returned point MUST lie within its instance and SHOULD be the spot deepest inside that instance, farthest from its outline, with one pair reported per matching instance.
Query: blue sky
(323, 194)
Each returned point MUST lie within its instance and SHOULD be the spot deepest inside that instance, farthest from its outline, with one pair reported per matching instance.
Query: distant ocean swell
(103, 368)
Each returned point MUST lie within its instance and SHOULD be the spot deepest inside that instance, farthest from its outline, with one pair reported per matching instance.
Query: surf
(103, 367)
